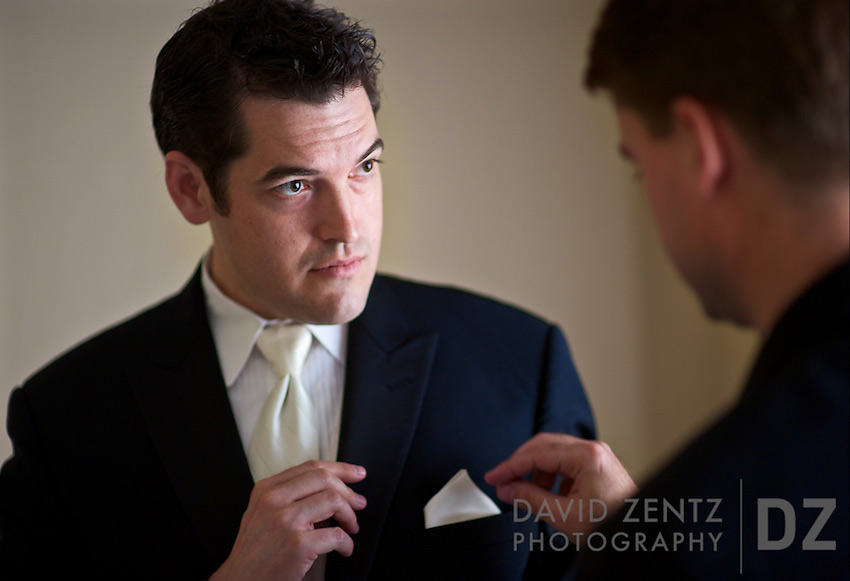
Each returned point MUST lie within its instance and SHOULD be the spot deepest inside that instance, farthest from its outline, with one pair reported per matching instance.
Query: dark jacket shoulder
(158, 333)
(424, 302)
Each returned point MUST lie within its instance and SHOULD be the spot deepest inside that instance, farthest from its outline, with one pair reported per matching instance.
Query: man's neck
(790, 250)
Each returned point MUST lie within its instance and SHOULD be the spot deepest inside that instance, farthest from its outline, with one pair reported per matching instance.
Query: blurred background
(501, 176)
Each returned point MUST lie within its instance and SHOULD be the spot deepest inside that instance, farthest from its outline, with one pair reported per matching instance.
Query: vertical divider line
(740, 526)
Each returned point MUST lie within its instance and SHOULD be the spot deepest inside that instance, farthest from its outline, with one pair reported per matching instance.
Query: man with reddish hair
(735, 114)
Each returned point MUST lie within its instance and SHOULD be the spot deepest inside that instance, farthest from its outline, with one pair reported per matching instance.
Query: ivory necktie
(287, 432)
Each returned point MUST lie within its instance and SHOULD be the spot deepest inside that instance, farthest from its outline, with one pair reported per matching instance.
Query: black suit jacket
(785, 442)
(127, 461)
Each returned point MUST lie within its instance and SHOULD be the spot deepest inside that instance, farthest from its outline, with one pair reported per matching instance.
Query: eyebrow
(378, 144)
(281, 171)
(625, 152)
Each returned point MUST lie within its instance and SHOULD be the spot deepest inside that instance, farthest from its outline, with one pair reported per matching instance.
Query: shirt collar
(235, 330)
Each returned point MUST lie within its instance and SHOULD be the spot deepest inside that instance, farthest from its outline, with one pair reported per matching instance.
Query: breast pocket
(478, 549)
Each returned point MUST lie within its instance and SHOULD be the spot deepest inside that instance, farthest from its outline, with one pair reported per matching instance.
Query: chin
(727, 316)
(339, 312)
(722, 308)
(336, 304)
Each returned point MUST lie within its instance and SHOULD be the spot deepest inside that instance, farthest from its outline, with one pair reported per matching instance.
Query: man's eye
(367, 167)
(291, 188)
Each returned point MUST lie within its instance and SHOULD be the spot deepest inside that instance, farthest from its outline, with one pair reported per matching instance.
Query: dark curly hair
(286, 49)
(777, 68)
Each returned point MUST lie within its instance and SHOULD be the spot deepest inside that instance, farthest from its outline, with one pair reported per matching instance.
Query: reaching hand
(589, 469)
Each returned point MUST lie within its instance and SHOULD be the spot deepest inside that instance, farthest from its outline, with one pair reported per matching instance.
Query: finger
(346, 472)
(320, 507)
(518, 465)
(550, 453)
(514, 468)
(536, 498)
(314, 481)
(566, 486)
(545, 480)
(349, 473)
(328, 539)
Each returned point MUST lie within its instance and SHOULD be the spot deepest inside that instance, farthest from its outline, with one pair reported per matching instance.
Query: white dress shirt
(250, 379)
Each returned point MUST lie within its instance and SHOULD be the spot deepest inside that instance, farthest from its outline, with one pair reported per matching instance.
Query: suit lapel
(177, 382)
(387, 371)
(184, 402)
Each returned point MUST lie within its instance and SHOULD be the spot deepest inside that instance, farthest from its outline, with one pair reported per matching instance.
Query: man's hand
(589, 469)
(280, 536)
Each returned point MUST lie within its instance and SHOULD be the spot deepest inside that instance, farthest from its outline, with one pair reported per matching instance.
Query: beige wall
(501, 176)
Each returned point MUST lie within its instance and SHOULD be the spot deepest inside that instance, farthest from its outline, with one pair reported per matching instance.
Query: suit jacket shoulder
(462, 315)
(157, 331)
(131, 426)
(455, 301)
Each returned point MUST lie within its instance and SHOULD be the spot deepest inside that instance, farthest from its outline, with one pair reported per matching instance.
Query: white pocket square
(460, 500)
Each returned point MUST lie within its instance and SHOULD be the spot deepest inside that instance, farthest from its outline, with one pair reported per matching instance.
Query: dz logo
(780, 508)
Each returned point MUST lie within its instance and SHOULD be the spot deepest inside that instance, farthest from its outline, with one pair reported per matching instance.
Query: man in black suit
(735, 113)
(131, 451)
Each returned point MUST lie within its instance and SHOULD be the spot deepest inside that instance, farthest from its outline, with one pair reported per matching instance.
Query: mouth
(339, 268)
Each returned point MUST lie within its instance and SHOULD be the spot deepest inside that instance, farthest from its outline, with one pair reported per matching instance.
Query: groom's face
(302, 234)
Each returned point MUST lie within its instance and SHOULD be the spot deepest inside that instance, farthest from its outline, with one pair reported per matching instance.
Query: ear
(710, 153)
(187, 187)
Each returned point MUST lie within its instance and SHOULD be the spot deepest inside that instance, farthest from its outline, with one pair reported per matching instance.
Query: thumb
(562, 512)
(526, 494)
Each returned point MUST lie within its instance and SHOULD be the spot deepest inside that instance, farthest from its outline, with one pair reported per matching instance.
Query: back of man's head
(233, 49)
(778, 69)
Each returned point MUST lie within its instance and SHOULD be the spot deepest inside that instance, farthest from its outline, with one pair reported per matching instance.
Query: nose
(337, 221)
